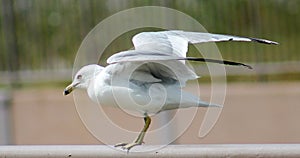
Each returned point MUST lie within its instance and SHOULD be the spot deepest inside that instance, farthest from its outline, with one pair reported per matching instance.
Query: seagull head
(83, 77)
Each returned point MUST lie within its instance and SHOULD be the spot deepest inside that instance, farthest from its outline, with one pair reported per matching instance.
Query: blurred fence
(5, 118)
(42, 35)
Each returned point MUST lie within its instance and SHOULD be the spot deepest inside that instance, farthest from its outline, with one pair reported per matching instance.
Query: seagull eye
(79, 77)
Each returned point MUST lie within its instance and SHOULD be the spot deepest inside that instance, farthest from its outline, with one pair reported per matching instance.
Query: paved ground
(253, 113)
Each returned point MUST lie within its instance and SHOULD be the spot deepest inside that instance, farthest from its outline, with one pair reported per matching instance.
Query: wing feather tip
(264, 41)
(216, 105)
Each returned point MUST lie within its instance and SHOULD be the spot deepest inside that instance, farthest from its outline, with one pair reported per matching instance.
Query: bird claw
(120, 144)
(127, 146)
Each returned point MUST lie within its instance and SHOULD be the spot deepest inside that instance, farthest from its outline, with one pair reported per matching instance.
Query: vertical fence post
(5, 132)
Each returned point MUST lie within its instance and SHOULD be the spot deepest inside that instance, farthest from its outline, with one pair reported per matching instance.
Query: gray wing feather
(176, 42)
(166, 48)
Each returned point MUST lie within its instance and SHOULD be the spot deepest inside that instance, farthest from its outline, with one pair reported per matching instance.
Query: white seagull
(150, 78)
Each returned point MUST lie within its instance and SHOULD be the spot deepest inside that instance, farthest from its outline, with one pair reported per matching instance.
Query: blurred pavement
(253, 113)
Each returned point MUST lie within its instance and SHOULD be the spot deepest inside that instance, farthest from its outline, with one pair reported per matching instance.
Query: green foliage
(49, 32)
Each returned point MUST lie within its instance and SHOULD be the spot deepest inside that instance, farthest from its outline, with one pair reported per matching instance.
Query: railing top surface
(212, 150)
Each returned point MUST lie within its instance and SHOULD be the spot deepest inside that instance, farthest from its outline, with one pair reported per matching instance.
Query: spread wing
(165, 49)
(171, 45)
(176, 42)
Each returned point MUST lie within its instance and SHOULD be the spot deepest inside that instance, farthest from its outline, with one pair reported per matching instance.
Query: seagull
(149, 79)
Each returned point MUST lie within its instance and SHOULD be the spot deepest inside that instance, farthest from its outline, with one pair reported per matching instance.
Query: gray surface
(213, 150)
(5, 137)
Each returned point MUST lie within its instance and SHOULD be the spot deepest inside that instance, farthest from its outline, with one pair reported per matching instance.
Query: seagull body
(150, 78)
(148, 95)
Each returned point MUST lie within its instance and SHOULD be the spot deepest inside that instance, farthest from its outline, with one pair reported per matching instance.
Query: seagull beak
(69, 89)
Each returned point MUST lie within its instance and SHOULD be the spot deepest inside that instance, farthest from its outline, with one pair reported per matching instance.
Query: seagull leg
(140, 138)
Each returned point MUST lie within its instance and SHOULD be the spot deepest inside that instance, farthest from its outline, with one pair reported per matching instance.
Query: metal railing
(171, 151)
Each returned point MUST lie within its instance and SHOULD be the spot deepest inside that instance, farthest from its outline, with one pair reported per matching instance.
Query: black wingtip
(225, 62)
(264, 41)
(247, 66)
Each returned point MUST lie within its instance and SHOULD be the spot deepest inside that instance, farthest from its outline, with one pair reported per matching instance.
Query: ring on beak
(68, 89)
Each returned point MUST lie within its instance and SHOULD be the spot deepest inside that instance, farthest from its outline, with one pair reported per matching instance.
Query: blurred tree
(48, 33)
(12, 59)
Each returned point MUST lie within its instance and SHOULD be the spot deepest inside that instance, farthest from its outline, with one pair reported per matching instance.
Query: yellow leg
(140, 138)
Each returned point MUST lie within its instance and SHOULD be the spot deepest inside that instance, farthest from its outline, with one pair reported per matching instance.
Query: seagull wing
(164, 49)
(161, 66)
(167, 42)
(171, 45)
(176, 42)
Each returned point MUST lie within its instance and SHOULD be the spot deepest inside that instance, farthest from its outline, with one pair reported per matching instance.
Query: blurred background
(39, 40)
